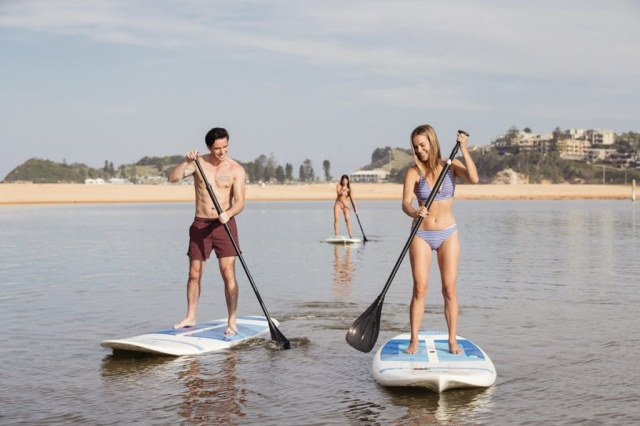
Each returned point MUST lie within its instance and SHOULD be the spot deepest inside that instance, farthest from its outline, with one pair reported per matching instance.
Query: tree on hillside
(308, 170)
(280, 174)
(381, 154)
(326, 165)
(556, 136)
(288, 172)
(526, 130)
(513, 134)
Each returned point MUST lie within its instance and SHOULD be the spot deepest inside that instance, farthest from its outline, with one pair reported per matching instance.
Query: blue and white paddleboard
(343, 240)
(201, 339)
(433, 367)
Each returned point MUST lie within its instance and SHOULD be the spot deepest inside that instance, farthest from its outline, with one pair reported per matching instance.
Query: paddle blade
(363, 333)
(278, 336)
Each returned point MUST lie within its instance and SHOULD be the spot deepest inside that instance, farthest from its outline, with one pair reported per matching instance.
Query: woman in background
(343, 190)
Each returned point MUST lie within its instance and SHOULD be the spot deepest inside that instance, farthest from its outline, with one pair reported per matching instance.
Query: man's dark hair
(215, 134)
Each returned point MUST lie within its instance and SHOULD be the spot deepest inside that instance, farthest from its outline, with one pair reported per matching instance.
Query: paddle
(354, 210)
(364, 331)
(275, 333)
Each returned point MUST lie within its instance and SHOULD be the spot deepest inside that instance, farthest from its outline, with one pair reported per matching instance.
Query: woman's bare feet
(454, 349)
(413, 347)
(231, 330)
(187, 322)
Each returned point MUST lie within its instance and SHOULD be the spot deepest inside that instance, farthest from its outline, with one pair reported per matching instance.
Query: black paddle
(364, 331)
(354, 210)
(275, 333)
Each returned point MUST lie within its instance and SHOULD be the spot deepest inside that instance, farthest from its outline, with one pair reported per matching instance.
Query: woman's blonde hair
(429, 167)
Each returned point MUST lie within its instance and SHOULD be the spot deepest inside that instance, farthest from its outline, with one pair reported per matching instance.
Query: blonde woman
(438, 231)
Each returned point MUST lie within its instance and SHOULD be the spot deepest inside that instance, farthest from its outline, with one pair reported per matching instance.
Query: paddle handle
(272, 326)
(430, 199)
(357, 217)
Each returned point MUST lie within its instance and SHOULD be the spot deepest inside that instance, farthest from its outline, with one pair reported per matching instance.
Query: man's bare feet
(231, 330)
(454, 349)
(413, 347)
(187, 322)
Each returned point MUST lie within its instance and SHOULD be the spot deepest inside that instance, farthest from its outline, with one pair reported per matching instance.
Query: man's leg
(196, 269)
(228, 272)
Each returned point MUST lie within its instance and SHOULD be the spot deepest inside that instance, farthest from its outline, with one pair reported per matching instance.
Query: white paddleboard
(201, 339)
(343, 240)
(433, 367)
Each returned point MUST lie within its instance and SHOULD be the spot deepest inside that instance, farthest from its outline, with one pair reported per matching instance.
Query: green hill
(37, 170)
(532, 166)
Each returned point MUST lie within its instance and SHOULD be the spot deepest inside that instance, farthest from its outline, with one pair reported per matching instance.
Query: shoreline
(18, 194)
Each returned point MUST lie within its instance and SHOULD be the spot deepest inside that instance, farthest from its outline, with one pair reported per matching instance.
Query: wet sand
(80, 193)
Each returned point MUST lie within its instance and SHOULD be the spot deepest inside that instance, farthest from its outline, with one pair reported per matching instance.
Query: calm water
(549, 289)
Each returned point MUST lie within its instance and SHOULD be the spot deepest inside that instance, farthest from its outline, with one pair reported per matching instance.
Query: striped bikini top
(447, 189)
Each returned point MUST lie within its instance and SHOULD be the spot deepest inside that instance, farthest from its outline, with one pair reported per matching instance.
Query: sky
(110, 80)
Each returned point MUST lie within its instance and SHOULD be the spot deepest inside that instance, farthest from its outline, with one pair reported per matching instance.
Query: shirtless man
(227, 179)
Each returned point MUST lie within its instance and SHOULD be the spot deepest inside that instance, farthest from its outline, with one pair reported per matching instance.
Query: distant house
(376, 175)
(98, 181)
(116, 181)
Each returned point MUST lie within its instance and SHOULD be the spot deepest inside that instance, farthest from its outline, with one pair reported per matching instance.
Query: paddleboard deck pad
(203, 338)
(343, 240)
(433, 367)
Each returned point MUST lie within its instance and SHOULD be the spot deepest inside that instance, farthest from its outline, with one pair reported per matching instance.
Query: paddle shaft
(364, 237)
(432, 196)
(272, 326)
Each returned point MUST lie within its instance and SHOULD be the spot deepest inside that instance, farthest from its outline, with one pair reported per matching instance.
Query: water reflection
(454, 406)
(343, 270)
(208, 387)
(212, 397)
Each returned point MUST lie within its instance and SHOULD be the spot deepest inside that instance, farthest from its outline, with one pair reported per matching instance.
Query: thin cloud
(128, 111)
(392, 38)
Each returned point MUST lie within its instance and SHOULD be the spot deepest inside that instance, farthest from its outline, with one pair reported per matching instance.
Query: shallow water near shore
(549, 289)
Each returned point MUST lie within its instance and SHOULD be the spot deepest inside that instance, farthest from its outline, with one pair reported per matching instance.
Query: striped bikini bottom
(436, 238)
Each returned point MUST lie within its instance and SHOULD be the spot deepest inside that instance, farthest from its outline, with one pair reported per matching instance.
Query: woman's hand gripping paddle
(364, 237)
(275, 333)
(364, 331)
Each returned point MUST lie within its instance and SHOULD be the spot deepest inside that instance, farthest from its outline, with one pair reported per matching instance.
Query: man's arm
(238, 195)
(185, 168)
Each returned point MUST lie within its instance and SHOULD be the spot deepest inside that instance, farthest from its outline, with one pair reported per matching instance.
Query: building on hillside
(98, 181)
(622, 158)
(523, 142)
(116, 181)
(573, 149)
(598, 154)
(601, 137)
(371, 176)
(575, 133)
(595, 136)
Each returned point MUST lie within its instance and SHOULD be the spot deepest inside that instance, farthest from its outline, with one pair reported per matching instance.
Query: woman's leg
(336, 218)
(347, 219)
(448, 259)
(420, 255)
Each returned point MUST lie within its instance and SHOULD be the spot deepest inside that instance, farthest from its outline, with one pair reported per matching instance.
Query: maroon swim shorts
(208, 234)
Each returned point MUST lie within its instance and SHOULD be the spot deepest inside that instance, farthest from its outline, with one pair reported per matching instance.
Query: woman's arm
(410, 180)
(467, 171)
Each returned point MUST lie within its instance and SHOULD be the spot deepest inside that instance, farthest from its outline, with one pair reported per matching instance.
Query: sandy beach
(80, 193)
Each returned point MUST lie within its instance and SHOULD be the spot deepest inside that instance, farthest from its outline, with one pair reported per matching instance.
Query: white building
(600, 136)
(117, 181)
(98, 181)
(595, 136)
(376, 175)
